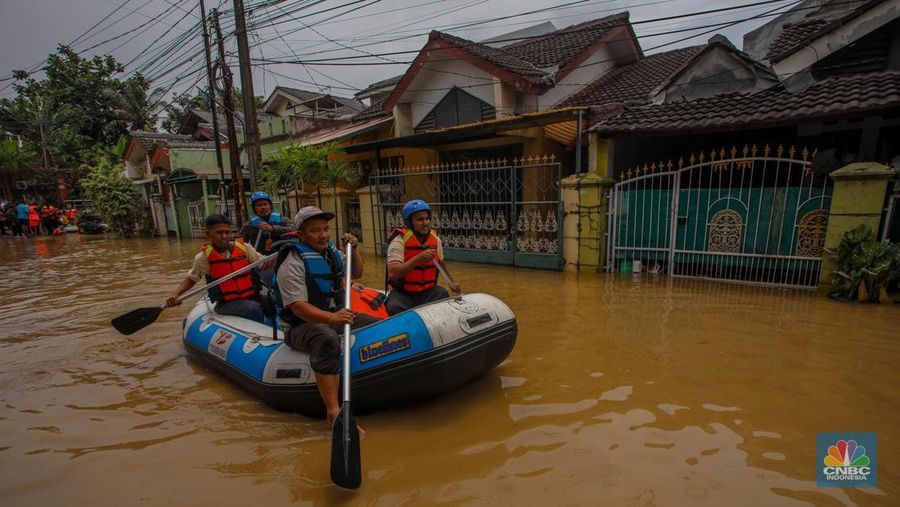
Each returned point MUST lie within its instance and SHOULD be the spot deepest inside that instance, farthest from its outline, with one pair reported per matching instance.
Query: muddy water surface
(619, 392)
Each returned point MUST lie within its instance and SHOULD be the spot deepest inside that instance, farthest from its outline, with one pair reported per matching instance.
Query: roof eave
(438, 43)
(825, 30)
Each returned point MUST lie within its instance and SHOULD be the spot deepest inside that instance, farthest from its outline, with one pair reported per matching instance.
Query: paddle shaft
(225, 278)
(258, 237)
(347, 285)
(443, 272)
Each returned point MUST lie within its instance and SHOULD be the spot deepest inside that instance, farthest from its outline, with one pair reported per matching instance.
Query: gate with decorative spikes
(750, 215)
(492, 211)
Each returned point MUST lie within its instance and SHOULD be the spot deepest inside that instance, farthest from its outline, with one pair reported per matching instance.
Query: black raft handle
(480, 319)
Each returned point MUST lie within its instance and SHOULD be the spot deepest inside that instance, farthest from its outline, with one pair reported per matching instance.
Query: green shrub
(113, 196)
(865, 267)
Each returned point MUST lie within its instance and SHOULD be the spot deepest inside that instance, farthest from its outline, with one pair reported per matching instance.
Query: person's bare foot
(332, 415)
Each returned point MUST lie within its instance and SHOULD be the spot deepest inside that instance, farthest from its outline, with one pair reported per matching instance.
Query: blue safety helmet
(260, 195)
(414, 206)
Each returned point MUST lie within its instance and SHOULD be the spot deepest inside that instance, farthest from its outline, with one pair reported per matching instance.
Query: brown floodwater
(620, 391)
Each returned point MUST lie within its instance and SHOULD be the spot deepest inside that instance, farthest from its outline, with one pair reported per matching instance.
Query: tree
(291, 167)
(179, 109)
(278, 177)
(334, 173)
(74, 99)
(295, 166)
(84, 85)
(136, 106)
(13, 158)
(45, 124)
(114, 197)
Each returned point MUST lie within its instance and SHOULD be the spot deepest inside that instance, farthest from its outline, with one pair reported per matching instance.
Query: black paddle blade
(346, 470)
(136, 320)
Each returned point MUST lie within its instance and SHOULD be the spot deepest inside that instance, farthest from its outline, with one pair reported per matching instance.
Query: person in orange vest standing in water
(71, 214)
(411, 256)
(221, 257)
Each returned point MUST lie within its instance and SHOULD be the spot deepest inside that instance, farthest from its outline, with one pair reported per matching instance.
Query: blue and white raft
(419, 353)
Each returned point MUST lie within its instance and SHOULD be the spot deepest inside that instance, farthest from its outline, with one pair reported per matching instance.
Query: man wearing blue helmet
(265, 226)
(412, 257)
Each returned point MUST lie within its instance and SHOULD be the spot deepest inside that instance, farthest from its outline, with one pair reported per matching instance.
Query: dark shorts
(323, 342)
(253, 309)
(398, 300)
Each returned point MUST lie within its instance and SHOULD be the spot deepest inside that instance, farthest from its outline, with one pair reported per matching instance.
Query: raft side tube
(419, 353)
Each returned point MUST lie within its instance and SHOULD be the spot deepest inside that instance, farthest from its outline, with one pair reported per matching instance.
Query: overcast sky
(31, 29)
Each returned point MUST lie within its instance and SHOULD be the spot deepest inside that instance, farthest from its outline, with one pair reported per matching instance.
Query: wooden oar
(439, 265)
(346, 470)
(136, 320)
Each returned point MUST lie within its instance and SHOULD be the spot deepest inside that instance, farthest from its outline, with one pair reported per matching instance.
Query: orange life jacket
(368, 301)
(240, 287)
(422, 276)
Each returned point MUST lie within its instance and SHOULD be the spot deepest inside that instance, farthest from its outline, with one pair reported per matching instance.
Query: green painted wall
(199, 161)
(267, 149)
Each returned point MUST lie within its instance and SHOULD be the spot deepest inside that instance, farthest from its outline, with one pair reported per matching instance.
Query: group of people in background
(22, 219)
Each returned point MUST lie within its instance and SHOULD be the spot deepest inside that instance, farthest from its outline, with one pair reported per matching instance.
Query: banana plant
(865, 267)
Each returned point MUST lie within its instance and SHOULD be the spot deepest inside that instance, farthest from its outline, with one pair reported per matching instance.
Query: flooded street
(620, 391)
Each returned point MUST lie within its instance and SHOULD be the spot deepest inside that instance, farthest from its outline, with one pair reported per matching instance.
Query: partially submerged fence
(495, 211)
(756, 216)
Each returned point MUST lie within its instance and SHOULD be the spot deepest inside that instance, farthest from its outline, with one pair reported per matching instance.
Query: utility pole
(251, 128)
(223, 202)
(234, 154)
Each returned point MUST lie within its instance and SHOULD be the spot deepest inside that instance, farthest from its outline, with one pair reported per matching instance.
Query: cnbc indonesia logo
(847, 462)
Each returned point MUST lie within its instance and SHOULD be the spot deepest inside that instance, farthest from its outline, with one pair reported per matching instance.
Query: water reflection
(621, 391)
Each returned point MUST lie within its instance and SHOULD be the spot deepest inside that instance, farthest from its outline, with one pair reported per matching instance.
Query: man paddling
(264, 225)
(218, 258)
(309, 296)
(412, 257)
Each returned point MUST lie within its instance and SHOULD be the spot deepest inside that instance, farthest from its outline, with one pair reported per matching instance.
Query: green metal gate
(752, 217)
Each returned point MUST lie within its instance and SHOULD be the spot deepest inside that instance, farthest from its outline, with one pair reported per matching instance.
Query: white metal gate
(196, 218)
(752, 217)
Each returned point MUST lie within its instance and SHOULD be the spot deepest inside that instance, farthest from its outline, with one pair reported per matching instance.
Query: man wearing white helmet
(413, 252)
(309, 298)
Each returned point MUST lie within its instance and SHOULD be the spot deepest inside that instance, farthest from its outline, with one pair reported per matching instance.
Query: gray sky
(30, 30)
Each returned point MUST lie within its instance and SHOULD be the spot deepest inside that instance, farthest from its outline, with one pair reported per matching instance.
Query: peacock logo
(847, 460)
(846, 453)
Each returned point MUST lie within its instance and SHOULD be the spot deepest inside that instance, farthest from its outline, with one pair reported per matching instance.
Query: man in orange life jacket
(218, 258)
(412, 253)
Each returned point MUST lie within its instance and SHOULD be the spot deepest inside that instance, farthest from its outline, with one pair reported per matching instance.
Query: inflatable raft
(418, 353)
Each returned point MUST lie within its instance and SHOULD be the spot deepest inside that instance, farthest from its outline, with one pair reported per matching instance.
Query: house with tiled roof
(290, 114)
(725, 175)
(284, 101)
(502, 93)
(836, 66)
(489, 107)
(454, 81)
(179, 178)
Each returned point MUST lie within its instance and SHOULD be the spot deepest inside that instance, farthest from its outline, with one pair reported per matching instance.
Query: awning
(560, 125)
(180, 176)
(347, 131)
